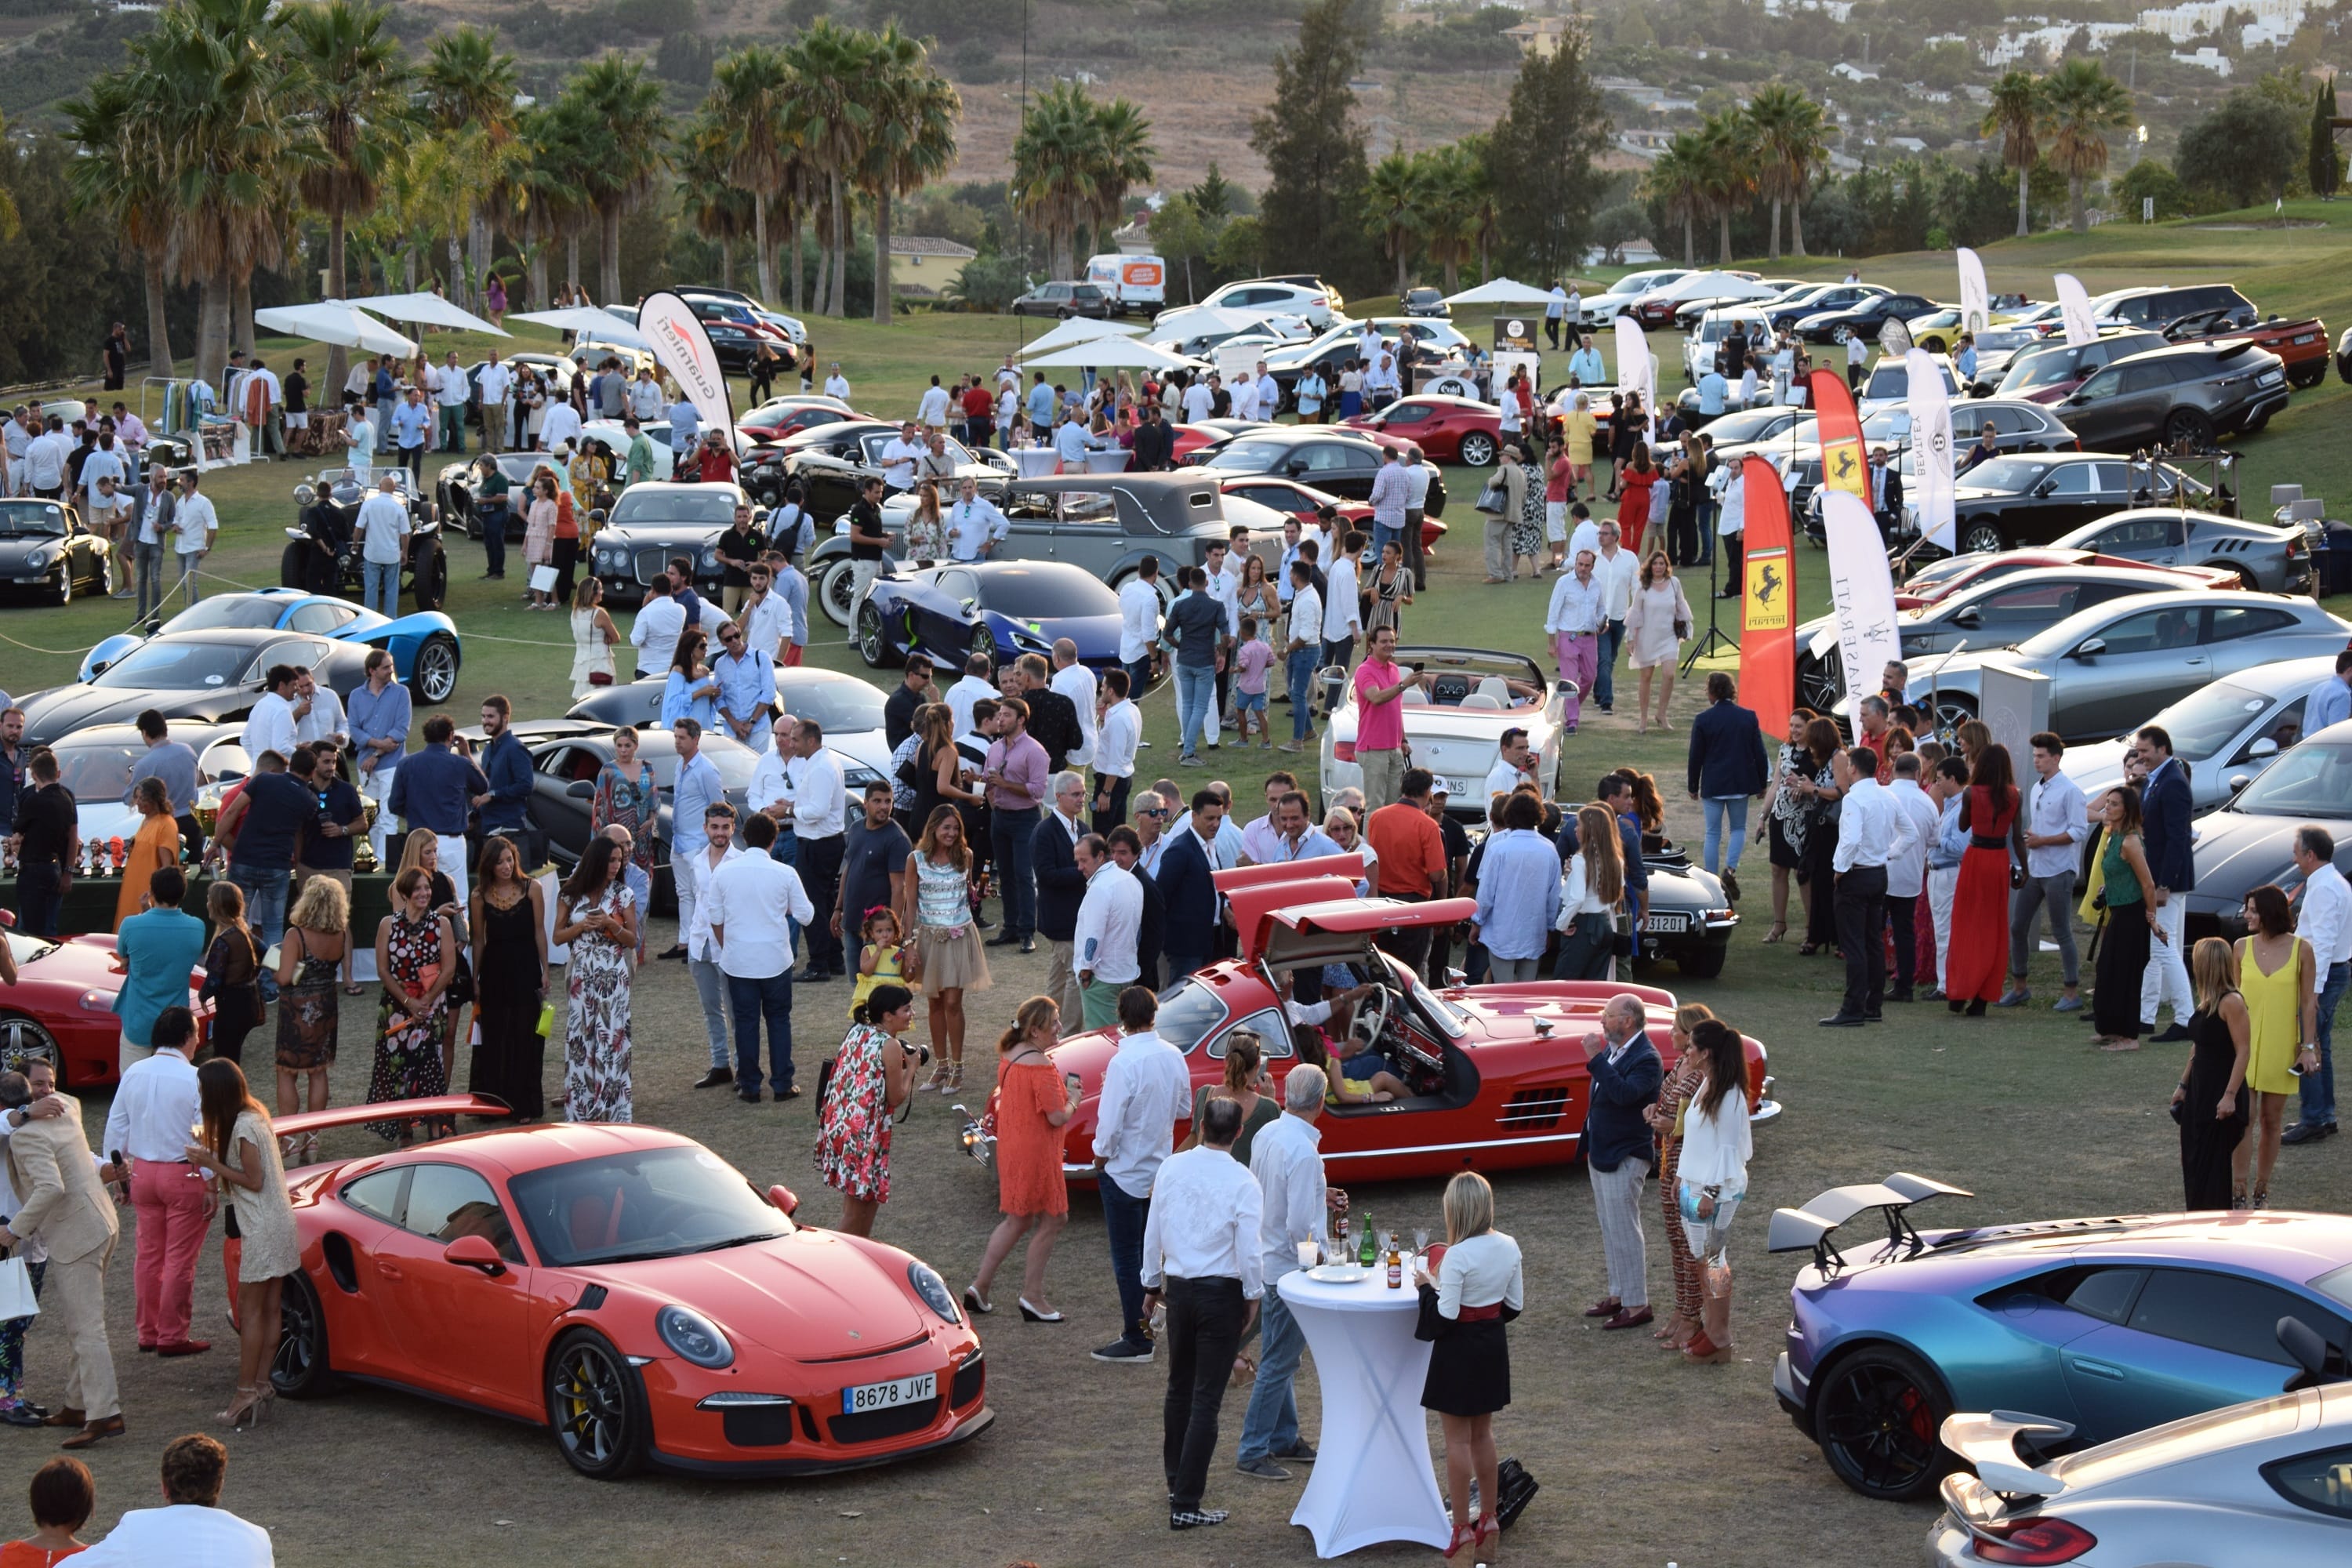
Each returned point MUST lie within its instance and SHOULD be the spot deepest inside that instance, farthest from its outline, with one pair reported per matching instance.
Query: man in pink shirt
(1016, 776)
(1379, 687)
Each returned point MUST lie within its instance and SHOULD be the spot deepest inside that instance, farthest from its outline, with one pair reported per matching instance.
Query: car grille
(971, 1380)
(651, 563)
(758, 1425)
(873, 1426)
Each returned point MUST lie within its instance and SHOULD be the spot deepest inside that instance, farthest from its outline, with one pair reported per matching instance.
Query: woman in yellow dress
(156, 846)
(2275, 976)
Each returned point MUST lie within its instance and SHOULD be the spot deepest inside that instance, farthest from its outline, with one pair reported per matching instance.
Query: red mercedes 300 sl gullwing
(1497, 1071)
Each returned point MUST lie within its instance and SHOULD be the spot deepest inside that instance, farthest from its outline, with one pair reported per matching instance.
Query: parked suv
(1281, 296)
(1062, 299)
(2155, 307)
(2195, 393)
(2048, 372)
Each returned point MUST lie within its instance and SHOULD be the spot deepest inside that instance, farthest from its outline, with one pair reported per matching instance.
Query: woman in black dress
(1478, 1288)
(935, 722)
(2211, 1104)
(509, 925)
(1821, 793)
(232, 971)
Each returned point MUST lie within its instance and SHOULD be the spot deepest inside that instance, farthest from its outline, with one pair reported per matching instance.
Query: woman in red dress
(1633, 497)
(1033, 1104)
(1979, 951)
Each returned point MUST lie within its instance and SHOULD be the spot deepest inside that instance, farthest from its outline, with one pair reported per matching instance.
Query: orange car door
(461, 1329)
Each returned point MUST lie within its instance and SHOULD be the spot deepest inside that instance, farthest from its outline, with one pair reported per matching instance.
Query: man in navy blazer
(1187, 869)
(1727, 768)
(2164, 807)
(1054, 857)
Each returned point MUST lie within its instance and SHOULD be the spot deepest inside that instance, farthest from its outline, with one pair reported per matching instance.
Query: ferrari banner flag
(2075, 307)
(668, 325)
(1930, 407)
(1767, 637)
(1862, 596)
(1975, 304)
(1844, 465)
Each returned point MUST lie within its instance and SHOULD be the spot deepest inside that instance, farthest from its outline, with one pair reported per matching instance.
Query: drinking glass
(1309, 1253)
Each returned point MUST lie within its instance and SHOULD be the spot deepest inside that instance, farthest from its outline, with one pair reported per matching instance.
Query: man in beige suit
(63, 1204)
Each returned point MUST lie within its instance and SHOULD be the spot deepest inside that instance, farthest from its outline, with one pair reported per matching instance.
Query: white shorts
(1556, 521)
(298, 422)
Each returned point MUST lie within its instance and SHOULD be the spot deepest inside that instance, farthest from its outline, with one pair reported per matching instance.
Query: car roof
(2282, 1244)
(518, 1151)
(247, 636)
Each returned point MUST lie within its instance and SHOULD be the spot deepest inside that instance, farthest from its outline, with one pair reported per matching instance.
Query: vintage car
(321, 555)
(622, 1287)
(1103, 523)
(45, 550)
(655, 521)
(425, 649)
(206, 676)
(1000, 608)
(1446, 430)
(849, 711)
(2109, 1324)
(2251, 840)
(60, 1009)
(782, 416)
(2226, 732)
(1329, 457)
(1498, 1081)
(831, 461)
(454, 488)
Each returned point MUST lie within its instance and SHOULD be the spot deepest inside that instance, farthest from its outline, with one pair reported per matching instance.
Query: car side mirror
(2091, 648)
(1973, 617)
(2299, 1340)
(475, 1252)
(2046, 487)
(2265, 747)
(785, 1199)
(582, 789)
(2238, 782)
(1294, 467)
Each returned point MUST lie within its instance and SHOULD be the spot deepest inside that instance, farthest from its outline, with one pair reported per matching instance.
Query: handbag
(16, 1298)
(1495, 501)
(1514, 1490)
(600, 678)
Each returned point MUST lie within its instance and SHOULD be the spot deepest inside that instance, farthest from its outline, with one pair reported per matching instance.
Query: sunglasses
(1151, 813)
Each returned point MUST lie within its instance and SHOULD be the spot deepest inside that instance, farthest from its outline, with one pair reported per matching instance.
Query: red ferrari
(1941, 579)
(1446, 430)
(1497, 1071)
(61, 1007)
(788, 416)
(625, 1288)
(1302, 501)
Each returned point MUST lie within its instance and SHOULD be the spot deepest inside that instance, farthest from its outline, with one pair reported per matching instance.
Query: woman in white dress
(594, 636)
(238, 1150)
(1711, 1173)
(1655, 626)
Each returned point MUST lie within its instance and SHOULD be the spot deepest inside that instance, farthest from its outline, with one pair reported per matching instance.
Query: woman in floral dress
(870, 1079)
(417, 958)
(627, 797)
(1665, 1119)
(1527, 531)
(597, 915)
(926, 533)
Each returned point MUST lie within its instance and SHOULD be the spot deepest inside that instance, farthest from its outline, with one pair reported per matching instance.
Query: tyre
(872, 644)
(101, 579)
(836, 584)
(596, 1406)
(1477, 448)
(2187, 425)
(299, 1369)
(1703, 963)
(1821, 680)
(1979, 534)
(2310, 375)
(24, 1040)
(428, 576)
(1952, 710)
(62, 592)
(1877, 1415)
(294, 566)
(434, 675)
(983, 643)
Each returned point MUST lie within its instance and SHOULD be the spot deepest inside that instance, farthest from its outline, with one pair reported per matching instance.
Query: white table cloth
(1108, 462)
(1372, 1479)
(1035, 462)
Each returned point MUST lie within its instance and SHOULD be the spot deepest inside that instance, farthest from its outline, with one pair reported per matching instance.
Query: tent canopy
(1500, 291)
(1077, 330)
(428, 310)
(1714, 286)
(1110, 354)
(1195, 321)
(335, 323)
(596, 325)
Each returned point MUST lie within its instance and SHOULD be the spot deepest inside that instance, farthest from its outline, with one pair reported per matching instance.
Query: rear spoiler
(1808, 1229)
(1989, 1444)
(360, 1114)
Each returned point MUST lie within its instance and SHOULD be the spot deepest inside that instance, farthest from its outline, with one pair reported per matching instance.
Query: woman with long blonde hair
(2211, 1100)
(318, 933)
(926, 531)
(935, 903)
(1713, 1176)
(1034, 1103)
(1665, 1119)
(1478, 1288)
(1595, 887)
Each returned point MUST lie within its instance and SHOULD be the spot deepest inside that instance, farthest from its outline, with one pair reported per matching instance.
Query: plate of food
(1340, 1273)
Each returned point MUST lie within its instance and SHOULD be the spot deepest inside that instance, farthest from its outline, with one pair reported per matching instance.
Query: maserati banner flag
(1634, 362)
(1767, 635)
(2075, 306)
(1862, 597)
(667, 324)
(1844, 465)
(1931, 408)
(1976, 305)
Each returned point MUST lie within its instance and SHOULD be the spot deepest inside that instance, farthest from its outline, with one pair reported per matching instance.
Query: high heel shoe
(245, 1407)
(1030, 1314)
(978, 1302)
(1489, 1529)
(955, 1077)
(1705, 1351)
(1465, 1534)
(938, 1080)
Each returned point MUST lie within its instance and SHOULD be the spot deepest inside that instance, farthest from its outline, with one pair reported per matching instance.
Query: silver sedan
(2229, 731)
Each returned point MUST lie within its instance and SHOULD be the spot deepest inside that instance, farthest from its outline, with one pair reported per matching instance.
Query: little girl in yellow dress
(883, 960)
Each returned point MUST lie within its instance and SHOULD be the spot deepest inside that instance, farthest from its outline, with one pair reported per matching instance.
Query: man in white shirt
(1294, 1205)
(1573, 622)
(899, 454)
(1146, 1090)
(659, 622)
(933, 410)
(1342, 615)
(1555, 311)
(1245, 396)
(360, 435)
(1617, 572)
(1110, 917)
(771, 791)
(1269, 395)
(451, 393)
(196, 526)
(270, 726)
(646, 400)
(1514, 762)
(1200, 398)
(765, 616)
(382, 529)
(1114, 751)
(1201, 1251)
(2326, 922)
(836, 386)
(2057, 821)
(495, 387)
(1076, 682)
(1138, 624)
(1906, 872)
(1871, 833)
(561, 425)
(819, 820)
(1302, 648)
(191, 1528)
(702, 948)
(751, 899)
(975, 526)
(154, 1107)
(318, 713)
(973, 685)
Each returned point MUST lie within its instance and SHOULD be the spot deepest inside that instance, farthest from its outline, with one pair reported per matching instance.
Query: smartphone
(1072, 1079)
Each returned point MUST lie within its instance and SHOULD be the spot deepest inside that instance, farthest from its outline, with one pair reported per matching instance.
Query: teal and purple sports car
(1000, 608)
(2111, 1324)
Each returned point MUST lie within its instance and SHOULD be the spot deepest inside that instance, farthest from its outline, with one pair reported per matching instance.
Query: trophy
(116, 853)
(363, 856)
(207, 808)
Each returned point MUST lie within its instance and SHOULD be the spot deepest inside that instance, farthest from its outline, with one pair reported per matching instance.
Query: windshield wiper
(735, 1241)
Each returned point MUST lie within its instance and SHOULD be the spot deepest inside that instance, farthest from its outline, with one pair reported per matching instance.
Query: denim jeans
(1382, 534)
(768, 998)
(188, 569)
(494, 539)
(1302, 680)
(710, 987)
(265, 911)
(380, 588)
(1196, 694)
(1009, 833)
(1271, 1423)
(1138, 676)
(1604, 679)
(1721, 810)
(40, 894)
(1123, 1219)
(2318, 1088)
(149, 559)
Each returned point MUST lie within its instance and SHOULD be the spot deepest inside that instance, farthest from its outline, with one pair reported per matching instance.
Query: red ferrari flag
(1768, 622)
(1844, 465)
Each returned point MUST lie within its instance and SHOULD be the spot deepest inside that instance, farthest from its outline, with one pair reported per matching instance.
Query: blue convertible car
(1000, 608)
(425, 649)
(2114, 1324)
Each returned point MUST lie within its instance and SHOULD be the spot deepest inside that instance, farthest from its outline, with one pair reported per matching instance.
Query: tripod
(1716, 636)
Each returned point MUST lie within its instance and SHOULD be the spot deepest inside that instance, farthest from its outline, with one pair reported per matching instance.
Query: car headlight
(710, 560)
(39, 559)
(933, 1290)
(97, 1001)
(694, 1337)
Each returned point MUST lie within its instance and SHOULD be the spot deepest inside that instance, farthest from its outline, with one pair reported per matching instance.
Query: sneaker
(1263, 1469)
(1300, 1453)
(2017, 999)
(1126, 1351)
(1195, 1518)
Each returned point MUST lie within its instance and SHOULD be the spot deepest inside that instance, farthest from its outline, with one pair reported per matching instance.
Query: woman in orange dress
(1979, 963)
(156, 846)
(1034, 1103)
(1633, 497)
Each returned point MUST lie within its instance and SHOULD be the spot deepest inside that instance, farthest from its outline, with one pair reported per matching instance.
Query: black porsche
(45, 550)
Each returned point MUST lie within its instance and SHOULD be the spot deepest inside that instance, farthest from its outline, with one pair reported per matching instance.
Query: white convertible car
(1456, 728)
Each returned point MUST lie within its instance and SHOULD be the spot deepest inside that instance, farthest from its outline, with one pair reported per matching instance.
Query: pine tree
(1547, 140)
(1314, 149)
(2327, 167)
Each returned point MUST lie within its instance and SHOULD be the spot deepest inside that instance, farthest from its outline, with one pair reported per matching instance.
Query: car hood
(53, 713)
(13, 550)
(2239, 851)
(2096, 767)
(802, 1295)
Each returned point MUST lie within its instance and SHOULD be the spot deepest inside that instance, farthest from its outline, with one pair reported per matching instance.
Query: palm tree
(1053, 171)
(1790, 138)
(832, 121)
(2016, 115)
(2080, 103)
(1122, 154)
(750, 92)
(911, 140)
(352, 84)
(1677, 182)
(1455, 177)
(1483, 193)
(621, 98)
(470, 81)
(1731, 168)
(1399, 194)
(548, 198)
(719, 210)
(111, 180)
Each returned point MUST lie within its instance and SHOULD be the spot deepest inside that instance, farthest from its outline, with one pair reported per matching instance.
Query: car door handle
(2098, 1368)
(387, 1269)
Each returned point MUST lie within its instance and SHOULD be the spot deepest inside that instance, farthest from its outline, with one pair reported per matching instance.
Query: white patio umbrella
(599, 326)
(1175, 326)
(426, 309)
(333, 323)
(1111, 354)
(1500, 291)
(1078, 330)
(1713, 286)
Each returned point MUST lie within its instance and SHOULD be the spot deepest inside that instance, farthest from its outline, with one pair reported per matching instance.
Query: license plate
(2271, 378)
(885, 1395)
(1666, 922)
(1455, 789)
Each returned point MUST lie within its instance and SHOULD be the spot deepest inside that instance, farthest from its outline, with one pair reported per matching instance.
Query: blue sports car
(2114, 1324)
(1000, 608)
(426, 649)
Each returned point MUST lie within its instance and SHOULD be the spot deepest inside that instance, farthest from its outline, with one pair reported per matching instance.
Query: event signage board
(1930, 407)
(1844, 465)
(677, 339)
(1514, 332)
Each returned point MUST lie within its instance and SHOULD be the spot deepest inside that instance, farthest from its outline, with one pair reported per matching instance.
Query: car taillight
(2033, 1542)
(1318, 299)
(1343, 750)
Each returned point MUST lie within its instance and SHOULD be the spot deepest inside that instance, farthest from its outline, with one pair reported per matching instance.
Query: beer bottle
(1365, 1250)
(1396, 1266)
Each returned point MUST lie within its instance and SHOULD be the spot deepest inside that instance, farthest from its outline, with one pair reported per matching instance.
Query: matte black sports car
(2251, 841)
(658, 520)
(322, 557)
(211, 677)
(454, 486)
(45, 549)
(1000, 608)
(1330, 458)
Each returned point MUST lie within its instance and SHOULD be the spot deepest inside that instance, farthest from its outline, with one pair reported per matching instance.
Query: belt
(142, 1160)
(1978, 841)
(1485, 1314)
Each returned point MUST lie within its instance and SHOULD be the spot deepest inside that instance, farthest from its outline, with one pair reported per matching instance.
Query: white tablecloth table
(1108, 462)
(1372, 1479)
(1035, 462)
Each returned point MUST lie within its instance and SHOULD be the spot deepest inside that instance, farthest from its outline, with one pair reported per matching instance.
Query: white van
(1131, 283)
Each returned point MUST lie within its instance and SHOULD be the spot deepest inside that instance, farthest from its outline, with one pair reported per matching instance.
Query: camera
(920, 1053)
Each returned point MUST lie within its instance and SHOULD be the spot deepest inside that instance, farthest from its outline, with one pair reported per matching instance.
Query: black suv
(1341, 461)
(2195, 393)
(1831, 325)
(2154, 309)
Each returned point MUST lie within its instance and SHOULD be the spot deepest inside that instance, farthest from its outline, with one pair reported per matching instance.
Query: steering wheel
(1371, 1017)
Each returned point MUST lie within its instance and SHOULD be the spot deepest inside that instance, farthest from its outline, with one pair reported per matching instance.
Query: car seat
(1483, 700)
(1496, 687)
(1414, 696)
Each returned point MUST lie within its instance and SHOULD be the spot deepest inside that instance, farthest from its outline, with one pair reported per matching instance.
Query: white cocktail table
(1373, 1481)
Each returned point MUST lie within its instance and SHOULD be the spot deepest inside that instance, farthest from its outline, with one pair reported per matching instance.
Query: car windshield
(1936, 573)
(32, 519)
(2307, 781)
(697, 507)
(652, 1203)
(96, 771)
(243, 611)
(1250, 457)
(179, 665)
(1186, 1014)
(840, 707)
(28, 949)
(1892, 378)
(2335, 1284)
(1748, 424)
(2203, 722)
(2010, 476)
(1035, 592)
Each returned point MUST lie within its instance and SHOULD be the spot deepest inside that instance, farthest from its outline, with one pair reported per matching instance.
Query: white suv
(1599, 310)
(1699, 348)
(1289, 299)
